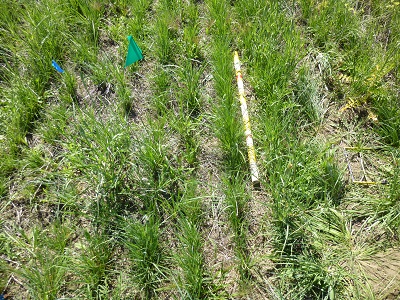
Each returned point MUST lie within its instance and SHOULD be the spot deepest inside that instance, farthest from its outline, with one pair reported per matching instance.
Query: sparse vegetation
(134, 183)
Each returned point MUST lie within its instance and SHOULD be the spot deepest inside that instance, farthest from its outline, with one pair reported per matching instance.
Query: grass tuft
(146, 254)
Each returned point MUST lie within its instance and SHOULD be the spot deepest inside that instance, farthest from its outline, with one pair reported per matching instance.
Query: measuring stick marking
(246, 122)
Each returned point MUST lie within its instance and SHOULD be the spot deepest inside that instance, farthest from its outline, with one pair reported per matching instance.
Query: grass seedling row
(133, 183)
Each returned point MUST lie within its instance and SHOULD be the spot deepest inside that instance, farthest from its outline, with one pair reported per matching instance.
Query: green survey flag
(134, 52)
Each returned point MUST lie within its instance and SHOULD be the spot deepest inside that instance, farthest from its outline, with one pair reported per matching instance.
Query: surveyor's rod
(246, 122)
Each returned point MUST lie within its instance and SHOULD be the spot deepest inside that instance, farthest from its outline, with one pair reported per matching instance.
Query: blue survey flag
(134, 52)
(56, 66)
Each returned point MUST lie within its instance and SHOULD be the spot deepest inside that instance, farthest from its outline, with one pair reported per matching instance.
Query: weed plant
(368, 56)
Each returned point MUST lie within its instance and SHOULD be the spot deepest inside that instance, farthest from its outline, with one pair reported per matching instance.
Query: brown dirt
(382, 271)
(218, 246)
(259, 245)
(257, 215)
(220, 259)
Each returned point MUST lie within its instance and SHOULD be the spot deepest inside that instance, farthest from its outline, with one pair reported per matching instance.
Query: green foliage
(127, 155)
(237, 207)
(94, 264)
(101, 152)
(229, 130)
(45, 259)
(159, 169)
(307, 95)
(145, 254)
(385, 209)
(389, 120)
(190, 260)
(164, 39)
(191, 31)
(54, 124)
(226, 123)
(4, 250)
(189, 93)
(139, 10)
(161, 85)
(332, 21)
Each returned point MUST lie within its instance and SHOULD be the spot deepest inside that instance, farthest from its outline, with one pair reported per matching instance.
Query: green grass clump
(192, 279)
(139, 11)
(301, 175)
(189, 95)
(389, 209)
(229, 131)
(4, 250)
(237, 207)
(191, 31)
(228, 128)
(307, 95)
(388, 116)
(384, 209)
(146, 254)
(337, 21)
(190, 259)
(94, 264)
(45, 260)
(133, 183)
(161, 87)
(165, 33)
(159, 169)
(101, 152)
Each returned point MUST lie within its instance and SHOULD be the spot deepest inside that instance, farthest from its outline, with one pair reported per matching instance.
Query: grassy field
(134, 183)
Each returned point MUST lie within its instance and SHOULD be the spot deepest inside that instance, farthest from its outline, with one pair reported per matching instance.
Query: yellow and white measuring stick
(246, 122)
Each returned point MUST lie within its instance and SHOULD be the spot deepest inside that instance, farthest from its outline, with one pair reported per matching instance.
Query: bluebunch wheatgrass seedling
(139, 11)
(293, 182)
(46, 262)
(161, 101)
(164, 44)
(191, 31)
(190, 260)
(94, 263)
(237, 206)
(191, 277)
(229, 130)
(189, 93)
(146, 254)
(108, 143)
